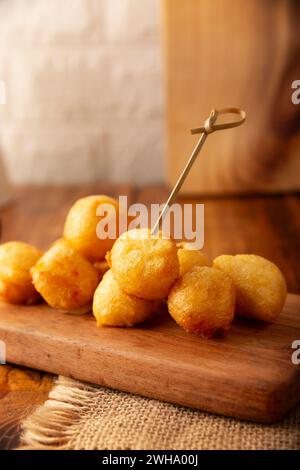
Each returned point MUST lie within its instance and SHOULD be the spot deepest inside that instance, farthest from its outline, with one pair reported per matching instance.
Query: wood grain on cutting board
(247, 374)
(233, 53)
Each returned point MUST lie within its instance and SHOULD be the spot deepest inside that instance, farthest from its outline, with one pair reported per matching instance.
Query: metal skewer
(208, 128)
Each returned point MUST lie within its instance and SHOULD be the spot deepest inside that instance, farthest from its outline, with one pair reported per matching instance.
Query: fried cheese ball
(189, 257)
(80, 228)
(259, 284)
(64, 278)
(143, 265)
(202, 301)
(16, 260)
(113, 307)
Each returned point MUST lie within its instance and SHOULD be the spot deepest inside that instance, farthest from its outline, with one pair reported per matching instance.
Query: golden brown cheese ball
(113, 307)
(189, 258)
(64, 278)
(81, 226)
(202, 301)
(16, 260)
(260, 286)
(143, 265)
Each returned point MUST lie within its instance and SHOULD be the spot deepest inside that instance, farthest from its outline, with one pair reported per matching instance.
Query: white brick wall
(84, 90)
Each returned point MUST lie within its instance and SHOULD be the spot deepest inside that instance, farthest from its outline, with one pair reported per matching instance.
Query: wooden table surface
(267, 225)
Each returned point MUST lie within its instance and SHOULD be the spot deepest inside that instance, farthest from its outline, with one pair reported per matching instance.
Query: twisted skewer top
(210, 126)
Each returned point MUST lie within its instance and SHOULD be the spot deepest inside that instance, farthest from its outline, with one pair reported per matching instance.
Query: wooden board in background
(233, 53)
(248, 374)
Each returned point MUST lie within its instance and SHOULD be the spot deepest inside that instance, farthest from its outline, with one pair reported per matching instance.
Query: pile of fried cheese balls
(127, 280)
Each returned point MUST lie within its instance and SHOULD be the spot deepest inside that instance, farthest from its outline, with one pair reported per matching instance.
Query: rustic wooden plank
(212, 62)
(248, 374)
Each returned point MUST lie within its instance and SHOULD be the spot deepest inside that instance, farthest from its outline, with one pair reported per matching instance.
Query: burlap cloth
(80, 416)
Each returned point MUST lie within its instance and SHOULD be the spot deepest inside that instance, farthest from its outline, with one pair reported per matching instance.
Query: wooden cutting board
(248, 374)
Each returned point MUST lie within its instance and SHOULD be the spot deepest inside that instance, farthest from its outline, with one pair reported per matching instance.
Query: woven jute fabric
(80, 416)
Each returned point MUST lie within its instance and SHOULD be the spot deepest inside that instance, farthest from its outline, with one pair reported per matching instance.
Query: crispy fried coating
(189, 257)
(113, 307)
(16, 260)
(260, 285)
(81, 226)
(144, 266)
(64, 278)
(202, 301)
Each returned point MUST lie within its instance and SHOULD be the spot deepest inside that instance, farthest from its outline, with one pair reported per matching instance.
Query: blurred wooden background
(234, 53)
